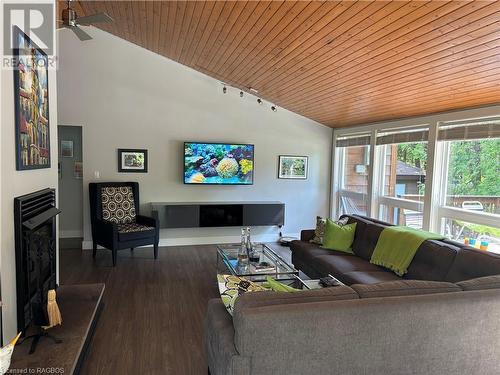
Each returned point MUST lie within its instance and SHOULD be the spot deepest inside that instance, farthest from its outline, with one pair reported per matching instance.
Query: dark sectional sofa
(434, 260)
(442, 318)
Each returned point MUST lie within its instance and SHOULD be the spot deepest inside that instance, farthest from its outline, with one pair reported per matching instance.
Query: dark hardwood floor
(152, 321)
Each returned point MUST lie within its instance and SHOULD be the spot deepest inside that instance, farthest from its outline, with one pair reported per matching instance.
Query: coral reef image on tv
(218, 163)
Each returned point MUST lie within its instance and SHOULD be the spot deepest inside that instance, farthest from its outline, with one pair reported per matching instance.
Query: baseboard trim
(186, 241)
(71, 233)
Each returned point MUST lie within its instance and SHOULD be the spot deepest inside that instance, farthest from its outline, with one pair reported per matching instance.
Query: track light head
(259, 100)
(224, 89)
(241, 94)
(274, 108)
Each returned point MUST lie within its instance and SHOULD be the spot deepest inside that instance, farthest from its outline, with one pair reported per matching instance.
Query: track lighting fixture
(259, 100)
(273, 108)
(241, 94)
(224, 89)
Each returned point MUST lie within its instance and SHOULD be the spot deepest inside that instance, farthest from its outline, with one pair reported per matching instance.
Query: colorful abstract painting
(31, 92)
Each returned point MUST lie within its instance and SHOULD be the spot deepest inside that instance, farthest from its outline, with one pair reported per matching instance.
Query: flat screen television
(218, 163)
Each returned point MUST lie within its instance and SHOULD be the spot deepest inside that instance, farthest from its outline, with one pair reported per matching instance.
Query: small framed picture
(292, 167)
(67, 149)
(132, 160)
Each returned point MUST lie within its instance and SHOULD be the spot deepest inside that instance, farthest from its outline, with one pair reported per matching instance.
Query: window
(404, 162)
(439, 173)
(403, 155)
(354, 156)
(470, 209)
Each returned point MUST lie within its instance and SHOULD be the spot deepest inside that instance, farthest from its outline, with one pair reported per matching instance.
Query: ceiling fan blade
(94, 18)
(82, 35)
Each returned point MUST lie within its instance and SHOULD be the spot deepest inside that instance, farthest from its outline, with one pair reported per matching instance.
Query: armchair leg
(94, 249)
(156, 251)
(114, 253)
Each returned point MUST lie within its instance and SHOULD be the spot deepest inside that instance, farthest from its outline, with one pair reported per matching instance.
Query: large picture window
(439, 173)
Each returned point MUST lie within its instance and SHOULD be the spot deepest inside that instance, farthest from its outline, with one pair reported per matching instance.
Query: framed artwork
(132, 160)
(78, 170)
(292, 167)
(31, 98)
(67, 149)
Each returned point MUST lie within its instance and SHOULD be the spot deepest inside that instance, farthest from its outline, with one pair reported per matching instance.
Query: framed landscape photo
(31, 98)
(292, 167)
(67, 149)
(132, 160)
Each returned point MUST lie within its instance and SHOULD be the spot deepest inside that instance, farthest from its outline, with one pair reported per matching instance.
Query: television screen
(218, 163)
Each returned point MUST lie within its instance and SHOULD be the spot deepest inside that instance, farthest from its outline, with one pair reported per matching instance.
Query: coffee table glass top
(278, 268)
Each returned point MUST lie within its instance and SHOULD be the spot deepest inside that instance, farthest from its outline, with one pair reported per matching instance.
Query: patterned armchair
(116, 223)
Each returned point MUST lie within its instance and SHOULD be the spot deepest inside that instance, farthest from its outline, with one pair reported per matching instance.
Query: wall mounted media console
(218, 214)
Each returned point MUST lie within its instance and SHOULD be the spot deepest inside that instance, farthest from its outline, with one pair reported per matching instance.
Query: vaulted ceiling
(340, 63)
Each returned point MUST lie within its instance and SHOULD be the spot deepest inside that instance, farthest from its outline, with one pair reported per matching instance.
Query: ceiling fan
(71, 21)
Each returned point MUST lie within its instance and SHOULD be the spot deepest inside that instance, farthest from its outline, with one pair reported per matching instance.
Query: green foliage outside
(474, 167)
(414, 154)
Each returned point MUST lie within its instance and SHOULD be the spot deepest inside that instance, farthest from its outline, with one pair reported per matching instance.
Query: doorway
(70, 168)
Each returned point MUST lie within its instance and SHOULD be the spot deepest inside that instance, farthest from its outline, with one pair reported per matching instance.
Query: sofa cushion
(232, 287)
(134, 231)
(432, 261)
(366, 237)
(480, 283)
(306, 251)
(339, 237)
(367, 277)
(339, 264)
(404, 288)
(118, 204)
(319, 232)
(470, 263)
(268, 298)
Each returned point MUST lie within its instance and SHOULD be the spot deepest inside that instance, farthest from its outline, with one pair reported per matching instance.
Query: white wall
(127, 97)
(15, 183)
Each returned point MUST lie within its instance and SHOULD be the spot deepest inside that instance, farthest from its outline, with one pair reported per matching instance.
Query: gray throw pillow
(319, 232)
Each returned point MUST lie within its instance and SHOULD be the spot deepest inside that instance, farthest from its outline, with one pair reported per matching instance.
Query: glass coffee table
(278, 268)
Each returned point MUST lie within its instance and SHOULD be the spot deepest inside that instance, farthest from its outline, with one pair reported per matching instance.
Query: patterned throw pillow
(230, 287)
(319, 232)
(118, 204)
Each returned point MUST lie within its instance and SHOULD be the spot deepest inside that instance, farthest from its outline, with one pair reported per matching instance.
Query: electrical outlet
(97, 175)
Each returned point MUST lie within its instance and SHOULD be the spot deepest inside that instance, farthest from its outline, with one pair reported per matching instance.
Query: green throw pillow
(339, 237)
(276, 286)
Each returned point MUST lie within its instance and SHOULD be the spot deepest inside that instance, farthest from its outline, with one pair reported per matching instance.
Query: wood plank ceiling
(340, 63)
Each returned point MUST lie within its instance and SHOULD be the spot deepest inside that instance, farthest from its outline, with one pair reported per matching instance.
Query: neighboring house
(408, 178)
